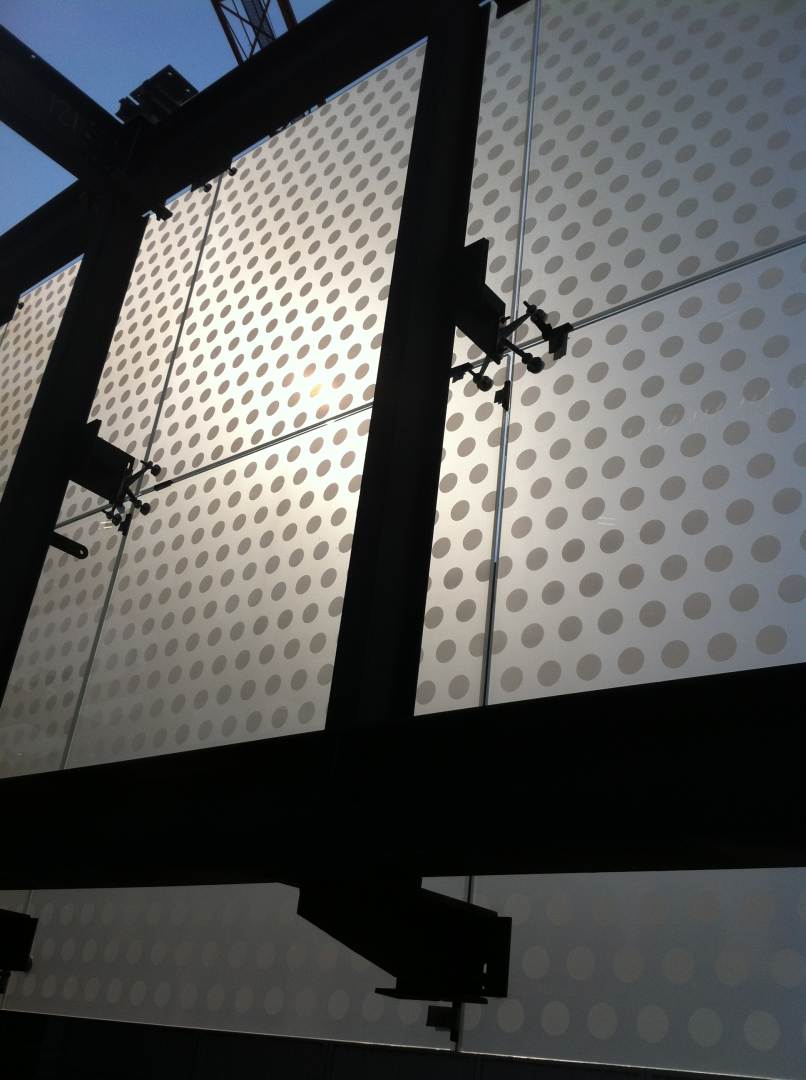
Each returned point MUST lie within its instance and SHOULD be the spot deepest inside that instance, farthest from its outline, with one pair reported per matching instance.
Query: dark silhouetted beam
(378, 653)
(46, 240)
(316, 58)
(42, 467)
(678, 775)
(332, 48)
(55, 116)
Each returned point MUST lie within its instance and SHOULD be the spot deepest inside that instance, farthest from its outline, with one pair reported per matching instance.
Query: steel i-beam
(378, 652)
(38, 480)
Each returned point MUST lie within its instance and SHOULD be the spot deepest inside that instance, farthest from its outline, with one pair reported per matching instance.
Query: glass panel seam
(504, 430)
(230, 458)
(116, 565)
(506, 418)
(191, 286)
(682, 284)
(288, 437)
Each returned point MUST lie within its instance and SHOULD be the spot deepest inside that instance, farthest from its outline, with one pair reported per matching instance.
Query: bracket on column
(68, 546)
(478, 311)
(480, 314)
(109, 472)
(437, 948)
(205, 179)
(16, 940)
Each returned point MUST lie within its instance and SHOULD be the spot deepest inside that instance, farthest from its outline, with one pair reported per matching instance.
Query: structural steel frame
(672, 776)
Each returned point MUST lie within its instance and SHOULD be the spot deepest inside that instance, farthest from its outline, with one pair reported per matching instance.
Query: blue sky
(107, 48)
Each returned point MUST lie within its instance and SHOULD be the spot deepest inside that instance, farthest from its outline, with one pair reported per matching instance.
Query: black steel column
(378, 653)
(39, 476)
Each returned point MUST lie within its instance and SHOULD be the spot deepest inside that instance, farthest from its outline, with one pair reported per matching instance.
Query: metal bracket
(445, 1018)
(436, 947)
(17, 932)
(503, 397)
(478, 311)
(205, 180)
(480, 314)
(68, 546)
(109, 472)
(157, 97)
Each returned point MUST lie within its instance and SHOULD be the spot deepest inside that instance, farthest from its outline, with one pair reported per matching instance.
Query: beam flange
(378, 654)
(55, 116)
(678, 775)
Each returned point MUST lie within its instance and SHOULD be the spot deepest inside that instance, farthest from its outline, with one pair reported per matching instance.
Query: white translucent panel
(665, 143)
(453, 637)
(495, 196)
(225, 612)
(456, 609)
(654, 528)
(234, 957)
(150, 321)
(25, 343)
(285, 325)
(698, 970)
(42, 694)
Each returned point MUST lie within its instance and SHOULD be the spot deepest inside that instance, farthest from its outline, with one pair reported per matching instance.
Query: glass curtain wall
(636, 516)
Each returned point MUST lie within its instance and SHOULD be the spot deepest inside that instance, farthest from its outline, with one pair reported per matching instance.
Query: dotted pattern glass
(696, 394)
(136, 369)
(456, 607)
(234, 957)
(25, 343)
(42, 695)
(453, 637)
(225, 612)
(655, 527)
(287, 316)
(702, 970)
(665, 143)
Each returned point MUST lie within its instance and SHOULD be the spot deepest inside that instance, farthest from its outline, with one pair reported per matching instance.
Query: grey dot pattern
(652, 970)
(453, 635)
(670, 533)
(285, 325)
(234, 957)
(134, 375)
(665, 143)
(456, 607)
(652, 527)
(42, 695)
(225, 611)
(25, 343)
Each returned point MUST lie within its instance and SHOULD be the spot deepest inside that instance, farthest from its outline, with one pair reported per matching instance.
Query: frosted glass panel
(43, 690)
(234, 957)
(652, 520)
(225, 612)
(657, 473)
(665, 143)
(702, 971)
(285, 325)
(133, 378)
(453, 638)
